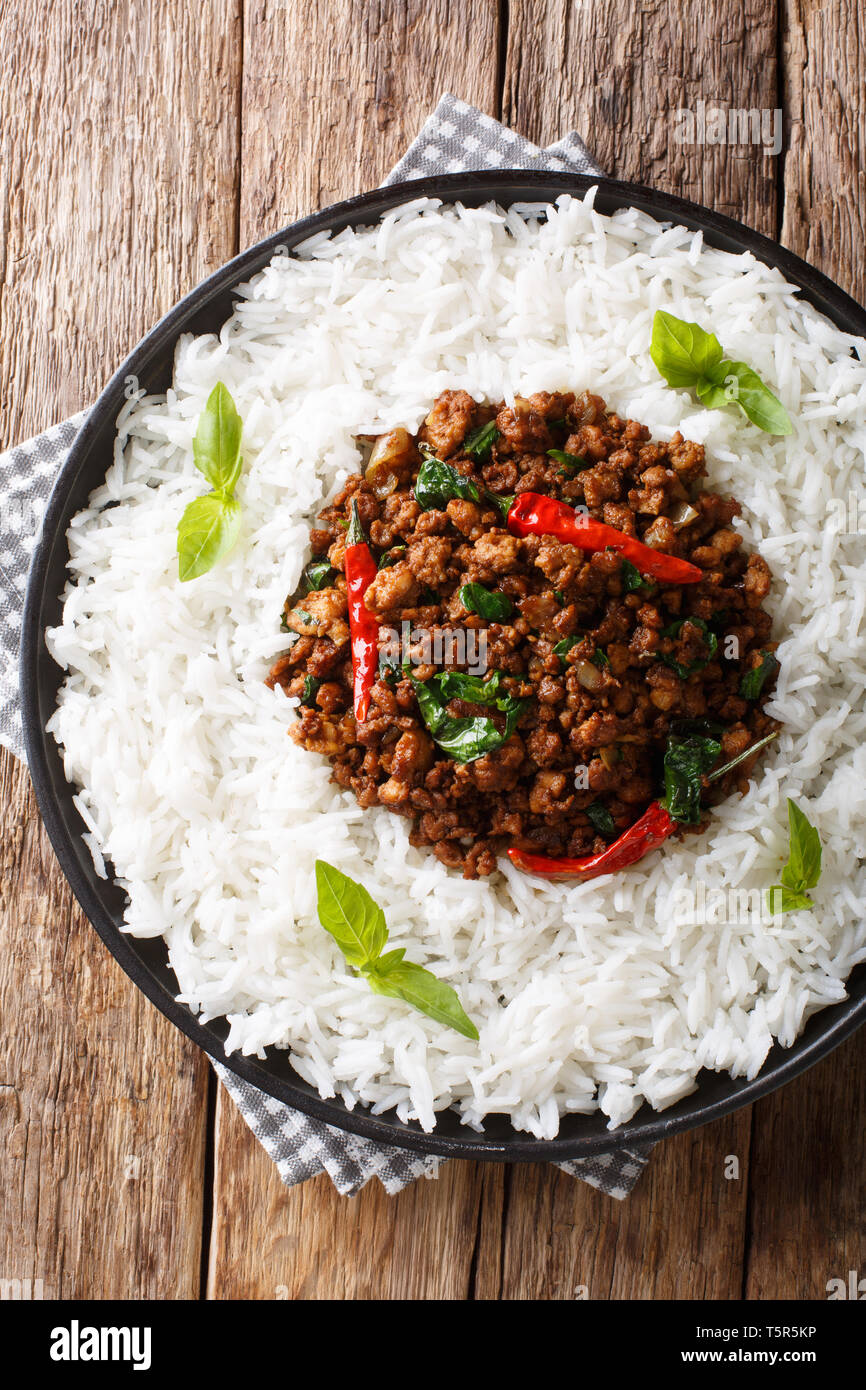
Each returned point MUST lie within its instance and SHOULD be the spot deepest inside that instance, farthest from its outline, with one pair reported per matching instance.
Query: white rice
(585, 996)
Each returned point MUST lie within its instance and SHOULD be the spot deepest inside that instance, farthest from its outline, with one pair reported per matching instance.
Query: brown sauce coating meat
(596, 720)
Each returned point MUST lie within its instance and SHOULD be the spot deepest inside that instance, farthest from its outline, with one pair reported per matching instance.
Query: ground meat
(393, 588)
(601, 671)
(448, 422)
(321, 615)
(428, 559)
(495, 553)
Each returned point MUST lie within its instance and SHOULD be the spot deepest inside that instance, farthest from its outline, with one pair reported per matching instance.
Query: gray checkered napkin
(456, 137)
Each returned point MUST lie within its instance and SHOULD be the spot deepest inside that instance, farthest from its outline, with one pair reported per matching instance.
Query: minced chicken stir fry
(498, 637)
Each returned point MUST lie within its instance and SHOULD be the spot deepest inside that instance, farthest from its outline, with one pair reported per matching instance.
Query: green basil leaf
(564, 647)
(425, 992)
(572, 463)
(386, 962)
(699, 726)
(477, 690)
(318, 573)
(803, 868)
(391, 557)
(735, 383)
(216, 448)
(207, 531)
(389, 665)
(479, 442)
(753, 681)
(686, 760)
(311, 686)
(682, 352)
(437, 483)
(347, 911)
(357, 924)
(464, 740)
(600, 658)
(711, 642)
(782, 899)
(632, 579)
(601, 819)
(487, 603)
(502, 502)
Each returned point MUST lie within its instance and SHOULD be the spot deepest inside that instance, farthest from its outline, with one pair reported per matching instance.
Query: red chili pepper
(653, 828)
(360, 569)
(532, 514)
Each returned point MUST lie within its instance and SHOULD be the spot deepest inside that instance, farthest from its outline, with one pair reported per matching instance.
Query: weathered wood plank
(308, 1242)
(678, 1235)
(824, 61)
(118, 168)
(332, 95)
(619, 72)
(807, 1180)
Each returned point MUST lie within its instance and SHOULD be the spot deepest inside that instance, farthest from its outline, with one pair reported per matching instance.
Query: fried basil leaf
(711, 642)
(391, 557)
(687, 758)
(601, 819)
(438, 482)
(487, 603)
(571, 463)
(632, 579)
(753, 681)
(564, 647)
(311, 686)
(465, 739)
(476, 690)
(318, 573)
(502, 502)
(480, 441)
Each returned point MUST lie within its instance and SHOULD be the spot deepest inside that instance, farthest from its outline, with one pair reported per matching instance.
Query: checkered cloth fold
(454, 138)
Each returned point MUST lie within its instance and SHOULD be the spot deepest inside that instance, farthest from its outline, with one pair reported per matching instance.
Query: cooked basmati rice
(602, 994)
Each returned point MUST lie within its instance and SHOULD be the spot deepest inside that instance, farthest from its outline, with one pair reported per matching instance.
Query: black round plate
(146, 962)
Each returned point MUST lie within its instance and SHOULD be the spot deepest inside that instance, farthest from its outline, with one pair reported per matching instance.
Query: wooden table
(142, 144)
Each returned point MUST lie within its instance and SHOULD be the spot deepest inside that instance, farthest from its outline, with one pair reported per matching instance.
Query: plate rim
(837, 1021)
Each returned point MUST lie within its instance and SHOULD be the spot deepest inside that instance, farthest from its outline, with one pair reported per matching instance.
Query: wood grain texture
(618, 72)
(824, 56)
(807, 1178)
(680, 1234)
(140, 144)
(808, 1181)
(334, 92)
(308, 1242)
(119, 152)
(332, 95)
